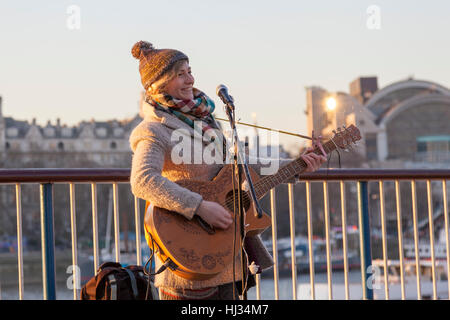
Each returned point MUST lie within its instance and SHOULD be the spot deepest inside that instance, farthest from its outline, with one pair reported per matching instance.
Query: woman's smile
(181, 86)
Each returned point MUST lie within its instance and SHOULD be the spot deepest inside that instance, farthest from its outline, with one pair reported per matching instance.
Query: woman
(173, 103)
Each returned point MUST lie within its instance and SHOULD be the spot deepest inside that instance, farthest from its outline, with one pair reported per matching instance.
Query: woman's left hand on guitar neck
(314, 161)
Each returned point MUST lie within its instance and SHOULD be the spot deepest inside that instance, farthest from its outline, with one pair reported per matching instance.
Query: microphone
(222, 92)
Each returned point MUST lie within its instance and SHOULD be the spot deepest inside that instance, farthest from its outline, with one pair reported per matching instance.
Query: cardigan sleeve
(147, 182)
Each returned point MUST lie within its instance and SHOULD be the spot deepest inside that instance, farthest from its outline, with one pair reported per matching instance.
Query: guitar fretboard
(263, 185)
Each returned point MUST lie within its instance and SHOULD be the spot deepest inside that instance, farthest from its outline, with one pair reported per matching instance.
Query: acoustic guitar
(199, 251)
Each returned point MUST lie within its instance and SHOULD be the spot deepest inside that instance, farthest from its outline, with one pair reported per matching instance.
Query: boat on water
(410, 279)
(377, 278)
(425, 271)
(319, 255)
(376, 282)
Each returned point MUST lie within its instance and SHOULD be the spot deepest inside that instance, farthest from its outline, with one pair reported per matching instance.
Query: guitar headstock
(346, 137)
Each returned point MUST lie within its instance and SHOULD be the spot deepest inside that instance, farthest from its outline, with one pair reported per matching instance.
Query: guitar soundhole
(230, 203)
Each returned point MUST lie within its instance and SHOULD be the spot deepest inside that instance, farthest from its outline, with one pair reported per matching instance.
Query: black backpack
(114, 282)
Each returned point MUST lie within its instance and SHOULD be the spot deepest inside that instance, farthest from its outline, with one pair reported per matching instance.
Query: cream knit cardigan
(153, 178)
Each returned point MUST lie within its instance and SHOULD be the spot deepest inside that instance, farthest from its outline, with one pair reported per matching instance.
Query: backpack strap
(133, 282)
(93, 288)
(113, 284)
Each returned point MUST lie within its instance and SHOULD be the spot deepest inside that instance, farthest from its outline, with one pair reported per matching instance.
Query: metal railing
(46, 178)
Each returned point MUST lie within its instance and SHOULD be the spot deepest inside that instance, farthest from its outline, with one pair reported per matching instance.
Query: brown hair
(160, 85)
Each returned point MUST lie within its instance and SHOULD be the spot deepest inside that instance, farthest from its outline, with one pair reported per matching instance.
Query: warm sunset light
(332, 110)
(331, 104)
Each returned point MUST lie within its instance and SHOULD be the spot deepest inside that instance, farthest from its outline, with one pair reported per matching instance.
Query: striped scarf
(190, 111)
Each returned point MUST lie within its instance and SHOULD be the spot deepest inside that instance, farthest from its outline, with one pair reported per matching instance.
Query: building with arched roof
(406, 123)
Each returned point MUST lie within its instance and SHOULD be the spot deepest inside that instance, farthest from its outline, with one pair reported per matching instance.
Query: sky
(72, 59)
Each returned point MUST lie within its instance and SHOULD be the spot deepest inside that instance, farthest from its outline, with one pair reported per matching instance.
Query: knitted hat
(153, 63)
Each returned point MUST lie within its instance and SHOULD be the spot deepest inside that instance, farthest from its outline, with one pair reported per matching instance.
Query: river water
(267, 288)
(285, 289)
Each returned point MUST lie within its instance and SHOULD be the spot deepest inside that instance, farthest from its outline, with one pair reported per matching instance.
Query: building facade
(405, 124)
(87, 144)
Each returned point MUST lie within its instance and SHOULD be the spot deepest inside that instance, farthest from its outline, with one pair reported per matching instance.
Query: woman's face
(181, 85)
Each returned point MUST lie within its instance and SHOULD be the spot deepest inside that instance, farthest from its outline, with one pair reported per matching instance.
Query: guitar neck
(263, 185)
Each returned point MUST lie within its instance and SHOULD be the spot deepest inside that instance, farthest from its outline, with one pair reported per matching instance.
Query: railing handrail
(52, 175)
(59, 175)
(46, 177)
(376, 174)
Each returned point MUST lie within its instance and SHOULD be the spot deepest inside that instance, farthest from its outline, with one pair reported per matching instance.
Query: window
(113, 145)
(12, 132)
(433, 143)
(118, 132)
(49, 132)
(371, 146)
(60, 146)
(66, 132)
(101, 132)
(433, 148)
(421, 146)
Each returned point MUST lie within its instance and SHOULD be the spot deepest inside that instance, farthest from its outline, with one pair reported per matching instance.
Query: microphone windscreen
(220, 87)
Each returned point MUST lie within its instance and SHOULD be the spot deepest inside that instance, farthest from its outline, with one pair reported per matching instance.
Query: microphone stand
(239, 168)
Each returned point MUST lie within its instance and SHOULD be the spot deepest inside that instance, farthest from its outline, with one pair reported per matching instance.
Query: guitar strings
(327, 146)
(232, 200)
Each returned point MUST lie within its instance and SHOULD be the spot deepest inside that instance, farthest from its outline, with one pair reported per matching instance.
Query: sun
(331, 104)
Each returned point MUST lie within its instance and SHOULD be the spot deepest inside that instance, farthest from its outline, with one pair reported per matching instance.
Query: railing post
(293, 244)
(364, 224)
(326, 209)
(19, 238)
(273, 213)
(48, 242)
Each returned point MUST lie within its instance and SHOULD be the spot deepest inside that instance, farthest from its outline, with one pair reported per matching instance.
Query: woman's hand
(214, 214)
(313, 161)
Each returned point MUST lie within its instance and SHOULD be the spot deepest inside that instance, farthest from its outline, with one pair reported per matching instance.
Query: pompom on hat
(153, 63)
